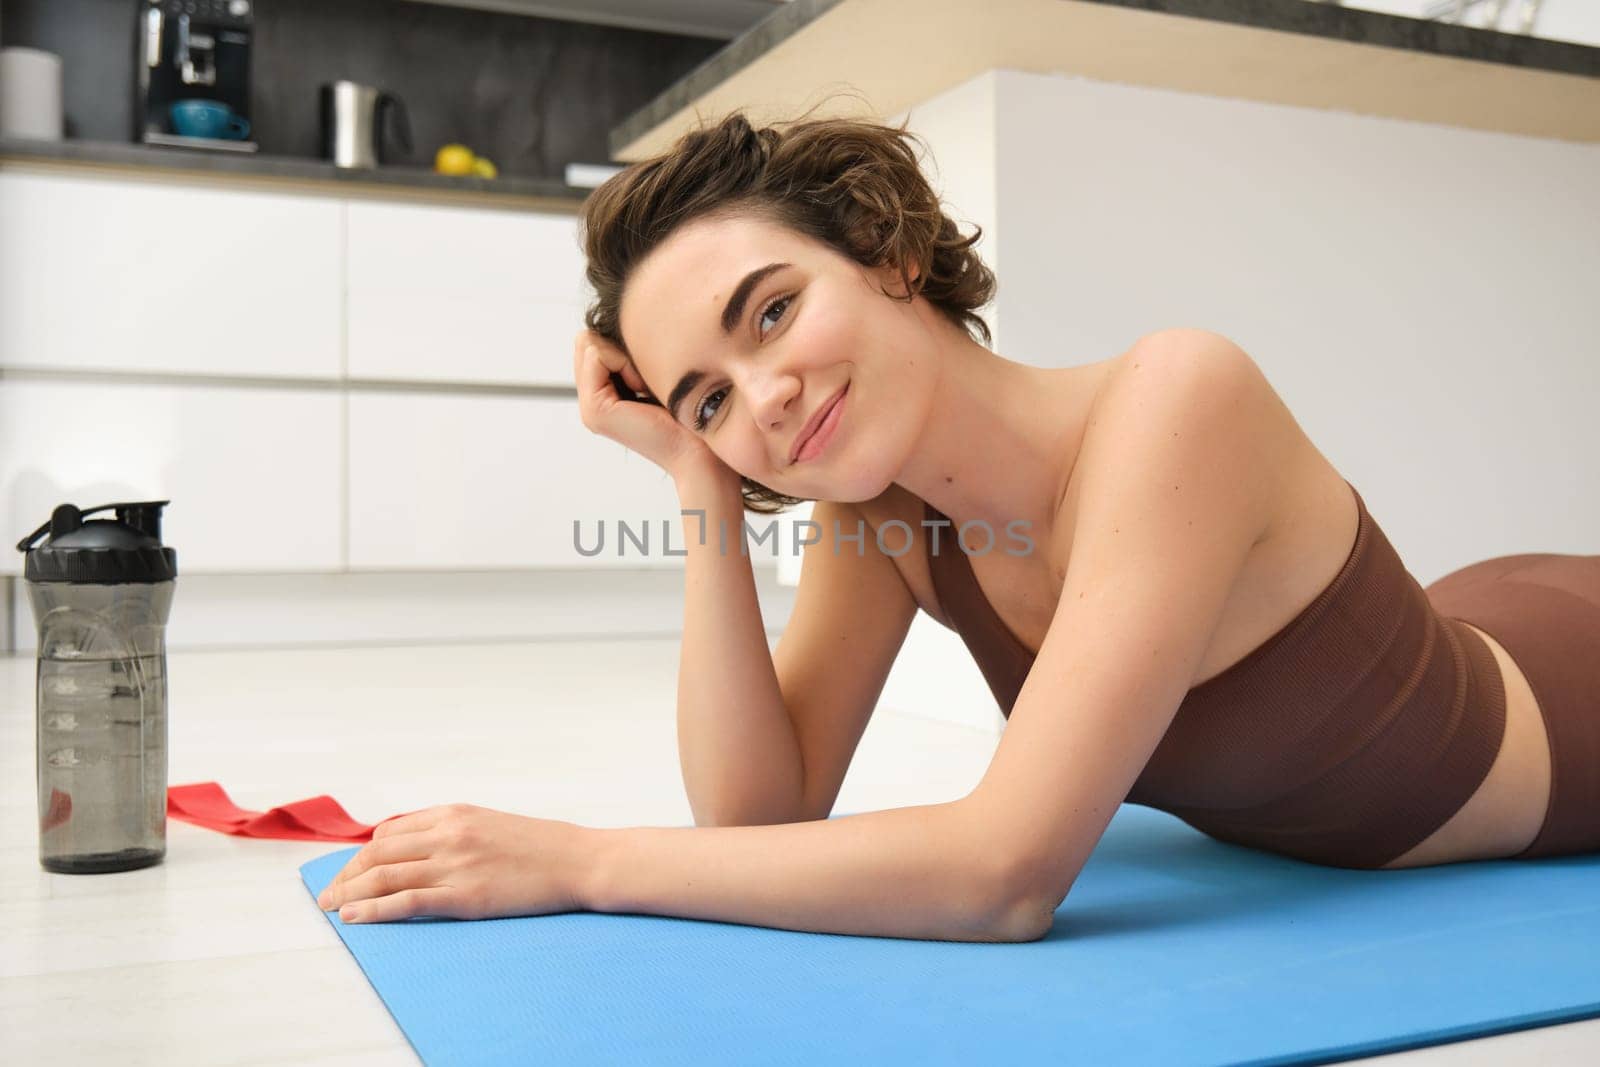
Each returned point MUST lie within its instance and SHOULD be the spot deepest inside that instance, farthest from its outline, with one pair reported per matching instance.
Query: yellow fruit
(454, 159)
(484, 168)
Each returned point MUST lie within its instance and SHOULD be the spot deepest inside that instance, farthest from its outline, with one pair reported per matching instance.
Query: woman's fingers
(610, 356)
(410, 822)
(588, 370)
(382, 882)
(606, 409)
(394, 848)
(407, 904)
(387, 876)
(630, 374)
(613, 359)
(596, 393)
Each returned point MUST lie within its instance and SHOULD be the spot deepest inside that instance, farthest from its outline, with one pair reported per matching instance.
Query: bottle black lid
(126, 549)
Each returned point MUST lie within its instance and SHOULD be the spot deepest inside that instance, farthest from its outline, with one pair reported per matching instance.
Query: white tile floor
(219, 956)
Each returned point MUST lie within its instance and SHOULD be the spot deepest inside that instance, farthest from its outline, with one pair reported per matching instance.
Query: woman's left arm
(929, 872)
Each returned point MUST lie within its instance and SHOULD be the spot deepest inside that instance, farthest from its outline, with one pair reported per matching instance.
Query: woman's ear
(891, 281)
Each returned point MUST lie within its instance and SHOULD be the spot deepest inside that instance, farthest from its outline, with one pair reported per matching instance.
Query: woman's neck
(1001, 439)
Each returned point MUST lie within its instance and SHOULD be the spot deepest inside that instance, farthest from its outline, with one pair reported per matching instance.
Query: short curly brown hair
(854, 185)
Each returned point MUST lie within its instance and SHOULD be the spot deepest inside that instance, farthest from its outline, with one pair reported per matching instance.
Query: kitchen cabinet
(485, 482)
(113, 279)
(463, 294)
(98, 273)
(254, 474)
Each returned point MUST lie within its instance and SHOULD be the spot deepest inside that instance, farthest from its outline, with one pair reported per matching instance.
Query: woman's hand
(645, 427)
(465, 862)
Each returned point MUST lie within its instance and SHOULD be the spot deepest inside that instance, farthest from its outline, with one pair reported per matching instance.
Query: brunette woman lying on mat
(1174, 596)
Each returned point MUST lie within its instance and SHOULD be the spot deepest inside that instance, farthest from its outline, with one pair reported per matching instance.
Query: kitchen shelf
(279, 172)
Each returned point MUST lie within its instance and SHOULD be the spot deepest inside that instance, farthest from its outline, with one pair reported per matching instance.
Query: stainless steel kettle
(352, 124)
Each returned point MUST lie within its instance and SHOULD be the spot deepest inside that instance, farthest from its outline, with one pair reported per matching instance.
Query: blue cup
(208, 118)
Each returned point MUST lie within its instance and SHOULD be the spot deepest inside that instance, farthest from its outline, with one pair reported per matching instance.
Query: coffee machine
(194, 50)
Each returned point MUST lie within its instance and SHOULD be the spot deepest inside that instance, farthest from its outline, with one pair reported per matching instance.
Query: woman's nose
(772, 397)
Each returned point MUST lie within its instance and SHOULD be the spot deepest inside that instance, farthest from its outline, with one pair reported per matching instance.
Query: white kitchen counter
(220, 956)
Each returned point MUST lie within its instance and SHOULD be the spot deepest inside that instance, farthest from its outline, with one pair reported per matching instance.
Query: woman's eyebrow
(684, 387)
(731, 314)
(741, 293)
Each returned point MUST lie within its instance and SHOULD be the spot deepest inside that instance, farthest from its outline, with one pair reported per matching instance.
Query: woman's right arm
(736, 743)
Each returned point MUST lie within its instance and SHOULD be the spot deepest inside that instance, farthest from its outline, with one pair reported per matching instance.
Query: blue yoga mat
(1172, 948)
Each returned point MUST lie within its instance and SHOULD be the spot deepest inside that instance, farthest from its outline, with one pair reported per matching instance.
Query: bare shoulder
(1198, 392)
(1194, 401)
(1167, 380)
(1186, 366)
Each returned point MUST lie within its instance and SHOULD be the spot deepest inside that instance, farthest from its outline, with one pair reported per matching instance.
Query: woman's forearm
(925, 872)
(736, 743)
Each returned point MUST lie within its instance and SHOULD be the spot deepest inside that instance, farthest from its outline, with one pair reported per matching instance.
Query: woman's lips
(820, 437)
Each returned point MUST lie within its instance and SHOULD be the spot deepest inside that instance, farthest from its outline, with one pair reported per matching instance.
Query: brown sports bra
(1345, 739)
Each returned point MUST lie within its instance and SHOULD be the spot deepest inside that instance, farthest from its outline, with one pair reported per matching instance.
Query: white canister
(30, 94)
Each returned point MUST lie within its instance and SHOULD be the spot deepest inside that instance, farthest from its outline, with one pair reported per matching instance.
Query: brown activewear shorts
(1545, 609)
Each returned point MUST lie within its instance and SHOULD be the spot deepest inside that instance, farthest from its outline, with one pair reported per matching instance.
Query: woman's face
(744, 353)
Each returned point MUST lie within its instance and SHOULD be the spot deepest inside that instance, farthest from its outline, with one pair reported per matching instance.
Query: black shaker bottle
(101, 591)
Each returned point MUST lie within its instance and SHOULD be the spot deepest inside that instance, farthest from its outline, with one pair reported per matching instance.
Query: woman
(1199, 614)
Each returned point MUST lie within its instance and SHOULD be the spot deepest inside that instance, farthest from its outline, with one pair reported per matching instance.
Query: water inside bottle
(102, 741)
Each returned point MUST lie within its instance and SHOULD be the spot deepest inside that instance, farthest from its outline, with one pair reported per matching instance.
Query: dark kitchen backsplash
(532, 94)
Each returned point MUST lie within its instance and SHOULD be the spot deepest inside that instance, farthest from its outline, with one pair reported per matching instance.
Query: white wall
(958, 127)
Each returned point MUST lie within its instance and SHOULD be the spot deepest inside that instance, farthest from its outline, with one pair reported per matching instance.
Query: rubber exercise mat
(1172, 948)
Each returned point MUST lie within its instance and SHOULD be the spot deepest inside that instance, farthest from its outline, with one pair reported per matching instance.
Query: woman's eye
(700, 416)
(783, 302)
